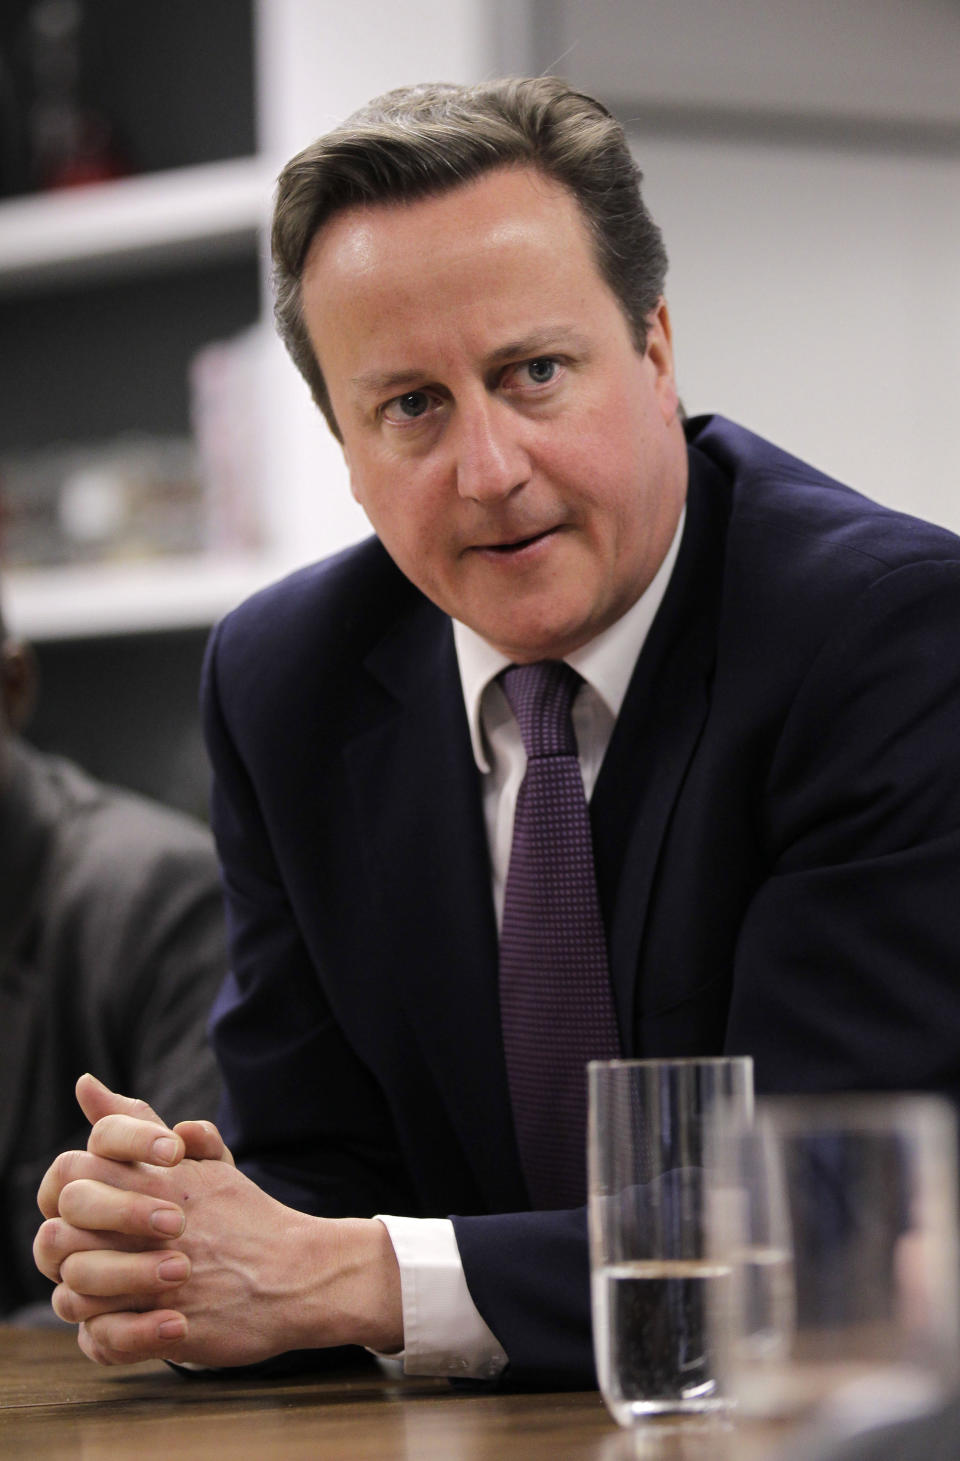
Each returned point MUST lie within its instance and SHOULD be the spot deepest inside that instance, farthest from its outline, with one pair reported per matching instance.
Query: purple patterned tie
(556, 1007)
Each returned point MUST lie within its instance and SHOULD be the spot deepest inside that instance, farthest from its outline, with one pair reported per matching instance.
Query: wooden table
(57, 1406)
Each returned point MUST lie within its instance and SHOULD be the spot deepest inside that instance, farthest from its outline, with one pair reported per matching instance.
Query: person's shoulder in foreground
(112, 944)
(121, 886)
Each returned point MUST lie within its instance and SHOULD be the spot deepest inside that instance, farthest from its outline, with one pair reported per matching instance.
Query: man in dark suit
(767, 734)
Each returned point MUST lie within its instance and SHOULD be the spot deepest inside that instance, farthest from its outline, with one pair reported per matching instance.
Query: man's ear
(18, 682)
(659, 352)
(354, 493)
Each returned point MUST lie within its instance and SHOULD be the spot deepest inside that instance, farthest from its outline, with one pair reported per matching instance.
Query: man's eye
(542, 370)
(407, 407)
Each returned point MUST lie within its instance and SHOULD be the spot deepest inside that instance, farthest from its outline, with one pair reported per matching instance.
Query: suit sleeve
(846, 966)
(529, 1275)
(275, 1037)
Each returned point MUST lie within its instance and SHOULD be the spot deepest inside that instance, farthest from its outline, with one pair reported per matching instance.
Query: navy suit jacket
(777, 834)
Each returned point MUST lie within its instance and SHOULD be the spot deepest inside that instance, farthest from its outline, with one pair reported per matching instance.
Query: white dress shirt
(444, 1333)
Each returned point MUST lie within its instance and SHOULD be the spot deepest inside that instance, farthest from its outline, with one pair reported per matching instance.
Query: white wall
(892, 60)
(816, 298)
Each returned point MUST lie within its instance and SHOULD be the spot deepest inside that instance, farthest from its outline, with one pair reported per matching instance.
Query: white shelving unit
(134, 223)
(174, 593)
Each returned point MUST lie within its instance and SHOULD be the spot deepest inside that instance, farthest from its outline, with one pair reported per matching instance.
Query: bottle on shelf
(71, 141)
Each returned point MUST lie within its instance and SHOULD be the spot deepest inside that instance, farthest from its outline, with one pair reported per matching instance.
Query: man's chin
(526, 643)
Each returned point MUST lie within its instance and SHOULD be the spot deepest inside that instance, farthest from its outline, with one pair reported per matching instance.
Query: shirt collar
(606, 662)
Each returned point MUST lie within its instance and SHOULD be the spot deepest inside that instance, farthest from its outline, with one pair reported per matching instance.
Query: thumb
(97, 1100)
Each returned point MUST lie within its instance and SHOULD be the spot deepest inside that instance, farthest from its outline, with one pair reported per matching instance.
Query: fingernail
(173, 1270)
(172, 1329)
(169, 1221)
(165, 1150)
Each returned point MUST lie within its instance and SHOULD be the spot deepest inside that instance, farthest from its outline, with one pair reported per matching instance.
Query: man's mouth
(517, 545)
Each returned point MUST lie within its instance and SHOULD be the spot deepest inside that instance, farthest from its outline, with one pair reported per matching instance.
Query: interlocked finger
(125, 1338)
(71, 1166)
(138, 1277)
(56, 1240)
(74, 1308)
(99, 1207)
(97, 1100)
(127, 1139)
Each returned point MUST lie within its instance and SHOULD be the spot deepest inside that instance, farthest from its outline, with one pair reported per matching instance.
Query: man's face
(519, 459)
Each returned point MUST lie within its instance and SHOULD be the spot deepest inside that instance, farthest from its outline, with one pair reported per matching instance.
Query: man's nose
(490, 459)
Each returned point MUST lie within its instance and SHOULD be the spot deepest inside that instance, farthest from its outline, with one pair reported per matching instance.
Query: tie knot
(540, 696)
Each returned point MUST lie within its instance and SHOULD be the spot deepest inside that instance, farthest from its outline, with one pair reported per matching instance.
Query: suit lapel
(655, 737)
(417, 795)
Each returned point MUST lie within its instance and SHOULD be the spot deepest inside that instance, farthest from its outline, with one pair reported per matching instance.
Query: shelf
(134, 223)
(81, 602)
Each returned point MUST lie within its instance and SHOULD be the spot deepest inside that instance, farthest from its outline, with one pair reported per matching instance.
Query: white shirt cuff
(443, 1331)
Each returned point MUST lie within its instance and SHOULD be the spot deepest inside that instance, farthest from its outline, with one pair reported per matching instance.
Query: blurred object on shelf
(226, 395)
(136, 497)
(95, 89)
(71, 142)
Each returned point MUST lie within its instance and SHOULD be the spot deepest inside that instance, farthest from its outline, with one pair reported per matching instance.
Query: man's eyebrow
(538, 342)
(375, 382)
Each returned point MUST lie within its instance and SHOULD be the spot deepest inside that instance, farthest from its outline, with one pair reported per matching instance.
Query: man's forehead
(505, 201)
(495, 271)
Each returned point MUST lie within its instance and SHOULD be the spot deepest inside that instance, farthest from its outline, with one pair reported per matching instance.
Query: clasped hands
(160, 1248)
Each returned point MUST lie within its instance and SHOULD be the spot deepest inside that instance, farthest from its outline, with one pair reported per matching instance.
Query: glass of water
(837, 1217)
(655, 1282)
